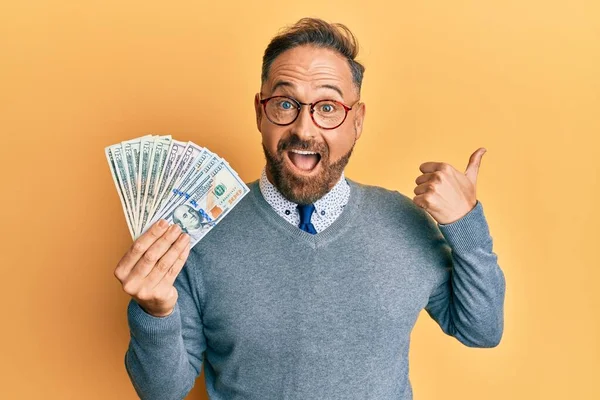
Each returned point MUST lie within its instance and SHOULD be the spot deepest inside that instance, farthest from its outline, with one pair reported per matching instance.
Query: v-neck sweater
(274, 312)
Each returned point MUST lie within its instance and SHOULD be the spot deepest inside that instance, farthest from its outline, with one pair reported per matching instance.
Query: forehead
(307, 68)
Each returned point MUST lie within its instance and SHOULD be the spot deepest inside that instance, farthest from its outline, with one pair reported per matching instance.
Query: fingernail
(162, 223)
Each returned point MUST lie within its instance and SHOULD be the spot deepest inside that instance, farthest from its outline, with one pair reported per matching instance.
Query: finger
(429, 176)
(139, 247)
(474, 164)
(424, 188)
(421, 201)
(143, 267)
(167, 261)
(431, 166)
(168, 279)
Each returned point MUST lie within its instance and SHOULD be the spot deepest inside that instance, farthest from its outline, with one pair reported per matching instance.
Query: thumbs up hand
(446, 193)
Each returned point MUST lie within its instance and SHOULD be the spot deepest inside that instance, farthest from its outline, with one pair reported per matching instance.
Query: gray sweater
(273, 312)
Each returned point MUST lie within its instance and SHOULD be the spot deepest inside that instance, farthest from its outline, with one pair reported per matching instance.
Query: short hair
(319, 33)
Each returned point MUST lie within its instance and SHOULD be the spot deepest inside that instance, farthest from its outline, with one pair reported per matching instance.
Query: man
(311, 286)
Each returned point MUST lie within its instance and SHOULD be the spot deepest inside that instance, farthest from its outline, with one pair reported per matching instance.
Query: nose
(304, 126)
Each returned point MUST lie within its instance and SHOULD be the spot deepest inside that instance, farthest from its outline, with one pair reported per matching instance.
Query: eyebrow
(291, 85)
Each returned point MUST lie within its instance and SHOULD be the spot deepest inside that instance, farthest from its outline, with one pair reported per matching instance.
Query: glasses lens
(281, 110)
(329, 113)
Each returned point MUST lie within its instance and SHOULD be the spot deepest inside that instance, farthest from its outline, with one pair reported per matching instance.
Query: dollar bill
(196, 167)
(190, 154)
(174, 156)
(131, 151)
(159, 177)
(206, 165)
(204, 158)
(115, 159)
(218, 192)
(146, 151)
(159, 154)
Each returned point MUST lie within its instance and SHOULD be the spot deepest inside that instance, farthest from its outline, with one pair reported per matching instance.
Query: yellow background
(521, 78)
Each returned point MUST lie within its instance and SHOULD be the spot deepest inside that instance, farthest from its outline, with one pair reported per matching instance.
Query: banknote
(113, 171)
(190, 154)
(204, 158)
(158, 177)
(121, 169)
(218, 192)
(174, 156)
(182, 193)
(159, 154)
(131, 152)
(146, 151)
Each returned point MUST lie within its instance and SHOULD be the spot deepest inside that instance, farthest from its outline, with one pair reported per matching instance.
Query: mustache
(294, 142)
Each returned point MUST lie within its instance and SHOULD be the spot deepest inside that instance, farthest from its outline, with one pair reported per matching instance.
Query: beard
(302, 189)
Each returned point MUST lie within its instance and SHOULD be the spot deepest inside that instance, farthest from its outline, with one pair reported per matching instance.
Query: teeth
(303, 152)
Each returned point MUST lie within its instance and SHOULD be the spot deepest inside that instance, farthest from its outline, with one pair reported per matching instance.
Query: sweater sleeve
(468, 303)
(165, 354)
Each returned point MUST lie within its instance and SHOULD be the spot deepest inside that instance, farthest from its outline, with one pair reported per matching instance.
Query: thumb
(473, 166)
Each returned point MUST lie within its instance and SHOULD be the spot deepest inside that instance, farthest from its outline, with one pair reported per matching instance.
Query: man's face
(308, 74)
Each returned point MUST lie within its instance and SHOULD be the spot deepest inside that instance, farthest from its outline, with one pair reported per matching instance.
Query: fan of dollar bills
(159, 177)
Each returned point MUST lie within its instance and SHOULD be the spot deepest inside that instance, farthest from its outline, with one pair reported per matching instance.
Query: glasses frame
(299, 105)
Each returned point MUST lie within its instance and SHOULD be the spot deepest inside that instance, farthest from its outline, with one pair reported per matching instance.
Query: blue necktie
(306, 211)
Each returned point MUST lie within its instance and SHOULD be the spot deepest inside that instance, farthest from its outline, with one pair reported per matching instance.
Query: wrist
(157, 314)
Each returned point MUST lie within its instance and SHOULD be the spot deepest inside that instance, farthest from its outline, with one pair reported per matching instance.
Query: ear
(258, 109)
(359, 118)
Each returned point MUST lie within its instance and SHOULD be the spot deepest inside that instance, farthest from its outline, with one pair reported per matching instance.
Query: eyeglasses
(326, 114)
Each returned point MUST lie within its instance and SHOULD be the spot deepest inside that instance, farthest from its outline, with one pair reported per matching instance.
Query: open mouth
(303, 160)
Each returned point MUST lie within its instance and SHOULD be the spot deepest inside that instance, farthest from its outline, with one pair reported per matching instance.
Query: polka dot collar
(327, 208)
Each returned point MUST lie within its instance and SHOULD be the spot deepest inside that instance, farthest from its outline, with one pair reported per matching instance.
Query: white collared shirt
(327, 209)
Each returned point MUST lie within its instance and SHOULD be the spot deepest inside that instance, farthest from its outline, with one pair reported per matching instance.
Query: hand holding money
(148, 270)
(172, 193)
